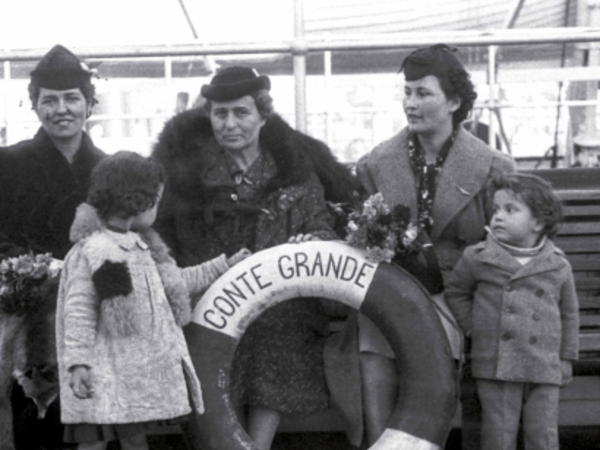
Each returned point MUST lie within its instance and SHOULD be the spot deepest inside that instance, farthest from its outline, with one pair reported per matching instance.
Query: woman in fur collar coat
(239, 176)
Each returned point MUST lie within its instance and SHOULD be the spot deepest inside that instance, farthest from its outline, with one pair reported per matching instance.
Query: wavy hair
(458, 85)
(125, 184)
(536, 193)
(87, 89)
(262, 99)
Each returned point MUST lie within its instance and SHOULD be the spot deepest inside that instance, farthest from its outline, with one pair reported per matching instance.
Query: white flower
(410, 235)
(4, 289)
(4, 266)
(55, 267)
(352, 226)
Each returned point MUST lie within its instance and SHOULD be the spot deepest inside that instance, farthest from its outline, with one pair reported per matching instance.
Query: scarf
(426, 175)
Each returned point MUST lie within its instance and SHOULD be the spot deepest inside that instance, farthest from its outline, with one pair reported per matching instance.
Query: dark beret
(234, 82)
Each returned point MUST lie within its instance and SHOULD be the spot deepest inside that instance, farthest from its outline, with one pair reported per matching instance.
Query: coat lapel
(278, 203)
(462, 177)
(495, 255)
(390, 166)
(546, 261)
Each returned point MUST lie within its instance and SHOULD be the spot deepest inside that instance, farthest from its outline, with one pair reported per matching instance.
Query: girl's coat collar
(106, 252)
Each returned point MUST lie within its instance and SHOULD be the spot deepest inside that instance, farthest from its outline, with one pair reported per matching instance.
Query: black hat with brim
(234, 82)
(60, 69)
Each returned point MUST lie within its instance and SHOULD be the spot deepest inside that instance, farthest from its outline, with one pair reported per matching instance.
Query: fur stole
(112, 279)
(296, 155)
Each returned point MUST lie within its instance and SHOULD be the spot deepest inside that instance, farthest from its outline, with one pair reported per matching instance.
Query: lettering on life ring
(390, 297)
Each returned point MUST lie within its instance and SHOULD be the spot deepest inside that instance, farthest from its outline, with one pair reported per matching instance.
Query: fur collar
(107, 257)
(296, 156)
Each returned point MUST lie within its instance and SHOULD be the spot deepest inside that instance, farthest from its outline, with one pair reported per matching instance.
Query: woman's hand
(81, 382)
(238, 257)
(302, 238)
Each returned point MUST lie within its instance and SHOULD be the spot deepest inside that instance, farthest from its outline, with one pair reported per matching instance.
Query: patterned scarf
(426, 174)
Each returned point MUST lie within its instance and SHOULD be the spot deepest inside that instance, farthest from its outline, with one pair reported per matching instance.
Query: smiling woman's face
(426, 106)
(62, 113)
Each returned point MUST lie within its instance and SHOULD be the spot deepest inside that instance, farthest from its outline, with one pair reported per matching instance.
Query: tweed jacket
(121, 304)
(41, 191)
(523, 319)
(306, 169)
(460, 212)
(460, 209)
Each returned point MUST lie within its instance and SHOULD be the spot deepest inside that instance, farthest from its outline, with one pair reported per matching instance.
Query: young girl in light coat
(123, 361)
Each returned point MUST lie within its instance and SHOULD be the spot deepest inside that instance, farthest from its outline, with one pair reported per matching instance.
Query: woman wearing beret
(42, 182)
(239, 176)
(439, 170)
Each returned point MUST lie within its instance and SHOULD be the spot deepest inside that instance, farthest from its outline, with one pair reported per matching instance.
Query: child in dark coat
(514, 295)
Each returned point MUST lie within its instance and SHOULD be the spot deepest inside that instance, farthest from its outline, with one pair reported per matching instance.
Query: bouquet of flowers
(25, 281)
(380, 230)
(387, 234)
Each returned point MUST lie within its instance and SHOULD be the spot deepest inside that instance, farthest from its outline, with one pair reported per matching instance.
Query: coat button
(234, 197)
(508, 288)
(533, 340)
(539, 292)
(507, 336)
(535, 317)
(508, 310)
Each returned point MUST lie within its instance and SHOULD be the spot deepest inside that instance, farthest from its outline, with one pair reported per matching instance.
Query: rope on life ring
(387, 295)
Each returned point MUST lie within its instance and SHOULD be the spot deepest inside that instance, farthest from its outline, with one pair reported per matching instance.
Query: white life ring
(390, 297)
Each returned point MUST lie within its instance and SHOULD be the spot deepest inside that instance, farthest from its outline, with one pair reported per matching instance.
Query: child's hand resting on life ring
(238, 257)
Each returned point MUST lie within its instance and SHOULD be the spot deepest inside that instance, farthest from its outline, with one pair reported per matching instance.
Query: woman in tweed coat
(439, 170)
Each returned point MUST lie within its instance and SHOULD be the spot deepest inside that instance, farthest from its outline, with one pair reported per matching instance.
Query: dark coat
(303, 164)
(41, 191)
(279, 361)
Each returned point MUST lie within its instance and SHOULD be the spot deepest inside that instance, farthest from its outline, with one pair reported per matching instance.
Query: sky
(36, 24)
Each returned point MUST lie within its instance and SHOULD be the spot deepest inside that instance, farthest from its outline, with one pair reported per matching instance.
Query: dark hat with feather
(60, 69)
(234, 82)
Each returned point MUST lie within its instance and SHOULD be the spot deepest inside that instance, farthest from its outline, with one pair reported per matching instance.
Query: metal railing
(302, 45)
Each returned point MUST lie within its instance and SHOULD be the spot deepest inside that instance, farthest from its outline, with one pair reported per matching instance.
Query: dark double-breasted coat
(41, 192)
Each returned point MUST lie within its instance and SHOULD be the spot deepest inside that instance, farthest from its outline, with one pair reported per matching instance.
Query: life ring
(387, 295)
